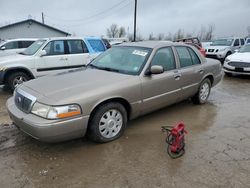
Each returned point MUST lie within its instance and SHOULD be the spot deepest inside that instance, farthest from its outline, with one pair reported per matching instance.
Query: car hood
(81, 83)
(242, 57)
(216, 47)
(10, 58)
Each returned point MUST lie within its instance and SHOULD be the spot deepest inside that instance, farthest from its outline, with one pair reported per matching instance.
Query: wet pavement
(217, 149)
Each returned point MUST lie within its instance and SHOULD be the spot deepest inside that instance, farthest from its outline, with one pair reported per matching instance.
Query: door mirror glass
(42, 53)
(2, 48)
(156, 69)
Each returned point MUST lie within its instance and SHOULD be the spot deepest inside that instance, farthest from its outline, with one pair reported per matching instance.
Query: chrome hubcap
(110, 123)
(19, 80)
(204, 92)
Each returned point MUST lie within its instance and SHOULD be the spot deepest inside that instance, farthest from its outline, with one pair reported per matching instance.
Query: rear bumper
(47, 130)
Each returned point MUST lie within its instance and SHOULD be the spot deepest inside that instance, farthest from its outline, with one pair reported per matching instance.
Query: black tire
(228, 74)
(197, 98)
(12, 78)
(94, 132)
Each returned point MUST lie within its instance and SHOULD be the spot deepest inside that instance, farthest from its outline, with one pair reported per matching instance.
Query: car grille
(22, 102)
(211, 56)
(210, 50)
(239, 64)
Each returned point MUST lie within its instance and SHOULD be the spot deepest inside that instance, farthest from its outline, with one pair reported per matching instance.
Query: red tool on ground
(175, 140)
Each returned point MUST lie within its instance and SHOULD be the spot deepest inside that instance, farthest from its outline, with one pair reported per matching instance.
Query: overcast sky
(93, 17)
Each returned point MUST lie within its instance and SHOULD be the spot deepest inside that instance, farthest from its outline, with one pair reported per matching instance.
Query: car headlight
(221, 50)
(56, 112)
(227, 60)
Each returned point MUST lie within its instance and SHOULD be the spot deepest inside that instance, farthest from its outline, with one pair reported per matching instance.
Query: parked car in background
(194, 40)
(247, 41)
(202, 50)
(49, 56)
(106, 42)
(14, 46)
(239, 62)
(206, 44)
(124, 82)
(223, 47)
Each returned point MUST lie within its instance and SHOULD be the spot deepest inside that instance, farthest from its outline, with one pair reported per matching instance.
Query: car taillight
(203, 52)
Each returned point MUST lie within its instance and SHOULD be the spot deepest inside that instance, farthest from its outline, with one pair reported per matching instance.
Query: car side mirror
(42, 53)
(156, 69)
(3, 48)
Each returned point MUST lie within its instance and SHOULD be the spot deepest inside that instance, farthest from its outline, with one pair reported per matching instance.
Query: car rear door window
(242, 41)
(184, 56)
(97, 45)
(55, 48)
(195, 58)
(165, 58)
(75, 46)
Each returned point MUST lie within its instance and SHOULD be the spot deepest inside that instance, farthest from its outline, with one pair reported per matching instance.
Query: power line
(92, 16)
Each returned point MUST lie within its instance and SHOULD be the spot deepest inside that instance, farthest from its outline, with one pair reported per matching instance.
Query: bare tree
(169, 36)
(113, 31)
(248, 31)
(122, 32)
(160, 36)
(209, 33)
(151, 36)
(179, 34)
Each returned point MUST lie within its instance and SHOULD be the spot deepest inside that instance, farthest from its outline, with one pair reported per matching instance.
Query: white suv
(48, 56)
(223, 47)
(14, 46)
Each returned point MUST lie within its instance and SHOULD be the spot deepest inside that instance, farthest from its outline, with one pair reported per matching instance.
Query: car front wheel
(16, 79)
(203, 93)
(107, 123)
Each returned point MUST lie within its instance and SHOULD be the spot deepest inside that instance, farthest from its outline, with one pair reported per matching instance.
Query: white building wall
(28, 30)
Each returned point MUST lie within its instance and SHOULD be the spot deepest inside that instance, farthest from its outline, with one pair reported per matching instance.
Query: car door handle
(177, 77)
(201, 71)
(63, 59)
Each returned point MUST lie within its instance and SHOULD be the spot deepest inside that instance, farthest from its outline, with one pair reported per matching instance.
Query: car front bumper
(47, 130)
(233, 71)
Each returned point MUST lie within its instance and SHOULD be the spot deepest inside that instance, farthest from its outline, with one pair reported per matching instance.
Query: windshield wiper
(104, 68)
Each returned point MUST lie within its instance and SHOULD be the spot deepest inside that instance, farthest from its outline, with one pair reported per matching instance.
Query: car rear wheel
(16, 79)
(107, 123)
(203, 93)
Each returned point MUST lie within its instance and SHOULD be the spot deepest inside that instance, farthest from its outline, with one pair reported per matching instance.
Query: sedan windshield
(32, 49)
(245, 48)
(222, 42)
(122, 59)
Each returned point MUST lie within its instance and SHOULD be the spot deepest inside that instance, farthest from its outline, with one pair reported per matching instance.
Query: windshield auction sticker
(140, 53)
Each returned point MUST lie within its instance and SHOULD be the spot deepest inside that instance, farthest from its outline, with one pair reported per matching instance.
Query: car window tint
(236, 42)
(25, 44)
(75, 46)
(97, 45)
(194, 57)
(11, 45)
(242, 41)
(165, 58)
(184, 56)
(55, 48)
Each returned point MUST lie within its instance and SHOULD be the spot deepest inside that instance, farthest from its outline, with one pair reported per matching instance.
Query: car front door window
(55, 48)
(165, 58)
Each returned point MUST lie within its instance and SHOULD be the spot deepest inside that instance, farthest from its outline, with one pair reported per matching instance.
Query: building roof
(31, 20)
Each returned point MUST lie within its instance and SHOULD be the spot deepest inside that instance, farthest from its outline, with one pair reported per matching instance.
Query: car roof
(151, 44)
(22, 39)
(70, 38)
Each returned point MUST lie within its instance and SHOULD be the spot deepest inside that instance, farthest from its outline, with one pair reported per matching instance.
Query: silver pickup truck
(125, 82)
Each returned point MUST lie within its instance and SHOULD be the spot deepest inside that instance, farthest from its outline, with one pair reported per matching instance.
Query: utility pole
(135, 20)
(42, 18)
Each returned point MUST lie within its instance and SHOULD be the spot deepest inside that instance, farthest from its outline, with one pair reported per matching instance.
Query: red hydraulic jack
(175, 139)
